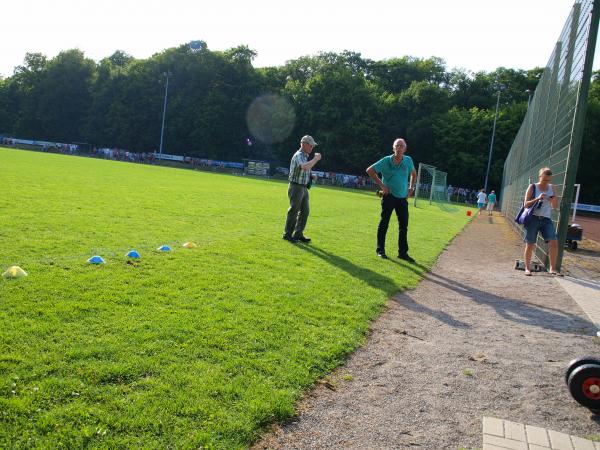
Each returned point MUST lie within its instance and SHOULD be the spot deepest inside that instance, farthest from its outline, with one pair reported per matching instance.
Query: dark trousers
(390, 203)
(297, 213)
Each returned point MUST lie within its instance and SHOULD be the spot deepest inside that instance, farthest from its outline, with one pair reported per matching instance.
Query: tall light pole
(162, 128)
(500, 88)
(529, 92)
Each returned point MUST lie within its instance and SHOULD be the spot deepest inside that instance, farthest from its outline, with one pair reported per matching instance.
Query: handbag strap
(534, 191)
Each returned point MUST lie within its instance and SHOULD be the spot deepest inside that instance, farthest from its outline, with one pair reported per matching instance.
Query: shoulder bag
(524, 215)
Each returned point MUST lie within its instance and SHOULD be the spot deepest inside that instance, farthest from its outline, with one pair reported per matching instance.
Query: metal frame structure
(438, 179)
(552, 130)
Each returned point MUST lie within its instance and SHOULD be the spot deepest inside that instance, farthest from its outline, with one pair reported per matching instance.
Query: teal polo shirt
(395, 177)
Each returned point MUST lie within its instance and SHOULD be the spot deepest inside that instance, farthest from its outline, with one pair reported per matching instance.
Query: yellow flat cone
(190, 245)
(14, 272)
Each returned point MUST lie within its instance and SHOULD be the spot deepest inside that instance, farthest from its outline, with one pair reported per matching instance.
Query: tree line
(221, 107)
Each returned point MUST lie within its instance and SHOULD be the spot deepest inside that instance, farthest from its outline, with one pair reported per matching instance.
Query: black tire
(584, 385)
(573, 245)
(575, 363)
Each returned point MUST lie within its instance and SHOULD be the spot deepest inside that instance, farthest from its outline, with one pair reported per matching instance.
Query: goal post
(431, 184)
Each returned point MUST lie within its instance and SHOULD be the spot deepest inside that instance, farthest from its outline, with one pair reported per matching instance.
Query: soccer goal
(431, 185)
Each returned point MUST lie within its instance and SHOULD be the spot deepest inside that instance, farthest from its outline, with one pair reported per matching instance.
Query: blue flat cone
(133, 254)
(96, 260)
(164, 248)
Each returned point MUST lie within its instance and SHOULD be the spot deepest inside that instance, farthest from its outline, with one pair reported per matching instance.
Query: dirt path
(475, 338)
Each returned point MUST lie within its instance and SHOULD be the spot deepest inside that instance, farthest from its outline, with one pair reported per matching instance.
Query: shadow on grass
(511, 309)
(373, 279)
(384, 283)
(415, 267)
(517, 310)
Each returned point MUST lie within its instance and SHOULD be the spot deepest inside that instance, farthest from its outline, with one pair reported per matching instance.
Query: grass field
(199, 347)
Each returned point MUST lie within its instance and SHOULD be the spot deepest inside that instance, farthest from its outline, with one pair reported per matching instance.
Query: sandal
(527, 272)
(556, 274)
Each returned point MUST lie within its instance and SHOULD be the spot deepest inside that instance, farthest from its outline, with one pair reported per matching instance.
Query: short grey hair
(400, 141)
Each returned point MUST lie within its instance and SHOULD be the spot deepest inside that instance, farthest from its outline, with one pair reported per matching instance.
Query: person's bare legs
(553, 252)
(528, 253)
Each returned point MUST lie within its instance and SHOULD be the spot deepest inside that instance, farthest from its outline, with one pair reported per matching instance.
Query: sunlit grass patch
(193, 347)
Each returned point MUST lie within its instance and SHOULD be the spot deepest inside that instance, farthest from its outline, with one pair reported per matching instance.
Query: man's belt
(298, 184)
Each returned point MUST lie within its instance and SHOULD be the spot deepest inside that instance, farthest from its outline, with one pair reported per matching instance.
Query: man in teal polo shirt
(395, 170)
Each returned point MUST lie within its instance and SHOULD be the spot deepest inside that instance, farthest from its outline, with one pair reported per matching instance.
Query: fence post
(577, 133)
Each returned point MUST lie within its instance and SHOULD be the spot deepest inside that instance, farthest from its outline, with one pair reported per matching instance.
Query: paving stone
(504, 443)
(586, 294)
(504, 434)
(538, 447)
(560, 441)
(537, 436)
(492, 447)
(493, 426)
(582, 444)
(514, 430)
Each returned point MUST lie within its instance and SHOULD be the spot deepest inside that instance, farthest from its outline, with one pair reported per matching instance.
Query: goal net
(431, 185)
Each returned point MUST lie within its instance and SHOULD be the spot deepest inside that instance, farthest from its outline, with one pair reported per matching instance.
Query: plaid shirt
(297, 175)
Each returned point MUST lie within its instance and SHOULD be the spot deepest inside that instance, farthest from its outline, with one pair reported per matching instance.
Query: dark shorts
(541, 224)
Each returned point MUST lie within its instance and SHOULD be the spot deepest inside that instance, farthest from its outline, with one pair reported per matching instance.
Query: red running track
(591, 227)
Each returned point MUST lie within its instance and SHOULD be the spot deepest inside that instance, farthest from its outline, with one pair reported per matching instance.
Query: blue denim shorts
(541, 224)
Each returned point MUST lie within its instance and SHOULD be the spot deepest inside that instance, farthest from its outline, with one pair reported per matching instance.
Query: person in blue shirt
(491, 203)
(396, 170)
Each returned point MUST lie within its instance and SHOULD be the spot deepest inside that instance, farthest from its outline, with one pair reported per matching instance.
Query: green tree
(589, 159)
(24, 91)
(397, 74)
(354, 106)
(64, 98)
(338, 106)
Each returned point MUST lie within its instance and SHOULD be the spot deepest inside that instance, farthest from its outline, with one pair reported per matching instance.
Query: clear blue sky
(472, 34)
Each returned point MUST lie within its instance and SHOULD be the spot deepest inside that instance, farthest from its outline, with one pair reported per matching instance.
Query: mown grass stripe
(190, 348)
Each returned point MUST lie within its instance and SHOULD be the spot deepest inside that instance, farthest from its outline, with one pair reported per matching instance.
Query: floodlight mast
(162, 128)
(529, 92)
(500, 88)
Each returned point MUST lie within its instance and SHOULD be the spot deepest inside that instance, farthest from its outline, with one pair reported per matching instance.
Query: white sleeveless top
(546, 209)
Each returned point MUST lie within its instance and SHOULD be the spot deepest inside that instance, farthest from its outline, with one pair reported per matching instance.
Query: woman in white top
(481, 201)
(543, 193)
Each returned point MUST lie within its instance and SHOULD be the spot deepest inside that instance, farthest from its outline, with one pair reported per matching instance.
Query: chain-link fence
(551, 132)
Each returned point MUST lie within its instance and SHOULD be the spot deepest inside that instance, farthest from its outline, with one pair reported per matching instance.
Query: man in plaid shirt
(300, 177)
